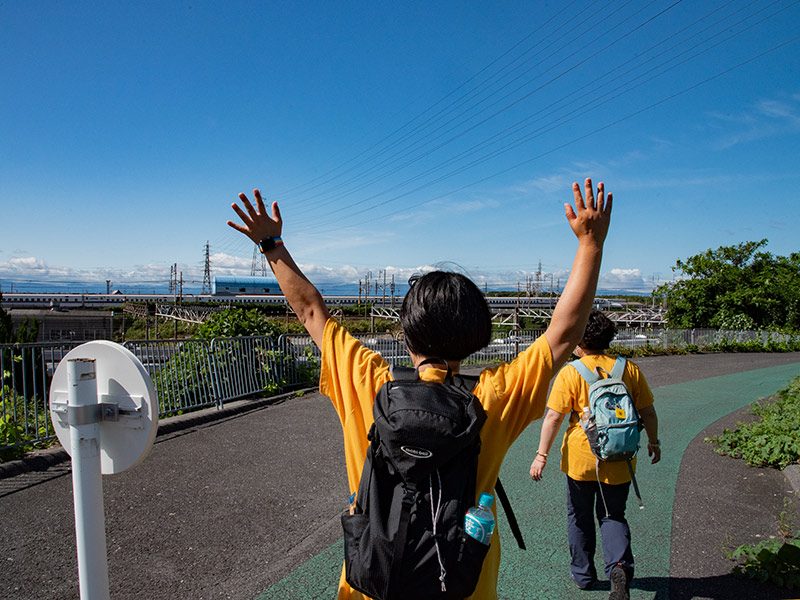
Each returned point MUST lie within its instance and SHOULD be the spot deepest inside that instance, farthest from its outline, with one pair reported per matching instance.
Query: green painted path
(541, 572)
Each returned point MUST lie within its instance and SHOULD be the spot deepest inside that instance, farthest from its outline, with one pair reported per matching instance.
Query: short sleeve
(563, 395)
(514, 394)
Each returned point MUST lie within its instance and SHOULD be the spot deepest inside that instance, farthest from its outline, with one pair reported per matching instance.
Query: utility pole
(366, 291)
(655, 279)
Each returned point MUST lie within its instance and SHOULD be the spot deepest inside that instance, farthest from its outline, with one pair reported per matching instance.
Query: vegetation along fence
(193, 374)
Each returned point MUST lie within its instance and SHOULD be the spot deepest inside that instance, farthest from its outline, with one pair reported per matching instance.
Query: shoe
(619, 583)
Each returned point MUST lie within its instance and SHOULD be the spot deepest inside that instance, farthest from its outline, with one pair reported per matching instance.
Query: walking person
(595, 488)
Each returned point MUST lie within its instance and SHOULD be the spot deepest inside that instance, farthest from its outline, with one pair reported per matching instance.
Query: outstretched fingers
(593, 201)
(259, 202)
(248, 205)
(590, 200)
(242, 215)
(576, 191)
(256, 222)
(276, 213)
(591, 213)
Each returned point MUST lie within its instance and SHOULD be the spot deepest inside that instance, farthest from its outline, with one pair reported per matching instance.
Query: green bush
(236, 322)
(771, 441)
(12, 423)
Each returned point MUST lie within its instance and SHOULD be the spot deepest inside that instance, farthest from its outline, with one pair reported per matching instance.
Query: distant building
(226, 286)
(73, 326)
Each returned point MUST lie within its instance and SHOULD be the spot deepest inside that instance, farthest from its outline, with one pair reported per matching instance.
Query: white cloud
(549, 185)
(768, 118)
(31, 269)
(26, 264)
(780, 110)
(624, 279)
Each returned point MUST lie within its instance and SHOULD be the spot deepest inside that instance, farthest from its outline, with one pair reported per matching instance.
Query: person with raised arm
(444, 316)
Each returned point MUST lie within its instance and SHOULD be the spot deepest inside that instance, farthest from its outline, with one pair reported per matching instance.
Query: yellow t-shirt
(512, 394)
(569, 395)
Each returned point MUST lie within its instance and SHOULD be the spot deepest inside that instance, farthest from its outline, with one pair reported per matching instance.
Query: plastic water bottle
(589, 426)
(479, 520)
(585, 417)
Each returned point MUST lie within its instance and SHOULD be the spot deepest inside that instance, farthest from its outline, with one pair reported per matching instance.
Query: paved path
(245, 505)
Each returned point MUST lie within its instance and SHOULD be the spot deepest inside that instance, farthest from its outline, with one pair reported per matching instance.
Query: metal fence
(193, 374)
(26, 371)
(187, 375)
(682, 339)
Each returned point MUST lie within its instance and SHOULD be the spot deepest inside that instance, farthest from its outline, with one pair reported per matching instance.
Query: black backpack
(404, 536)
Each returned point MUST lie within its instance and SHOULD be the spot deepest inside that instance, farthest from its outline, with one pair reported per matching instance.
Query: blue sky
(394, 135)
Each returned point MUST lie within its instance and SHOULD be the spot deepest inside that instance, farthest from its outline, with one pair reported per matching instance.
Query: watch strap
(269, 243)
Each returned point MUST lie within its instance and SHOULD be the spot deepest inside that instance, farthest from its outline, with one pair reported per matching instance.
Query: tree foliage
(735, 287)
(27, 331)
(236, 322)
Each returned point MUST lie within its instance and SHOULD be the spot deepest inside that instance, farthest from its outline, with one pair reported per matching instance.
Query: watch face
(267, 244)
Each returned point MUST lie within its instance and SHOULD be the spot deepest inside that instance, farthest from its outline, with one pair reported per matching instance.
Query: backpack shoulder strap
(585, 372)
(468, 382)
(512, 518)
(619, 368)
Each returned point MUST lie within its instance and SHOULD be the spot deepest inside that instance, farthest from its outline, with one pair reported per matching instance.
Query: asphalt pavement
(244, 503)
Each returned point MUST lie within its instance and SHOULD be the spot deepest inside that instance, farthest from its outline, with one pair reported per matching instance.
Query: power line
(333, 175)
(632, 84)
(591, 133)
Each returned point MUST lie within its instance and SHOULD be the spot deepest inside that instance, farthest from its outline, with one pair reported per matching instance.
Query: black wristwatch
(269, 243)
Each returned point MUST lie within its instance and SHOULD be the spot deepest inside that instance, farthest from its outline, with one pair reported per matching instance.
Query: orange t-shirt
(512, 394)
(569, 395)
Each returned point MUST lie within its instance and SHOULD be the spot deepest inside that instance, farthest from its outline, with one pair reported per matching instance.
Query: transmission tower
(207, 270)
(254, 266)
(539, 278)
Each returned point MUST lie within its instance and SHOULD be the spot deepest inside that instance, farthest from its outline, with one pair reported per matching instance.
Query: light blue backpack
(613, 426)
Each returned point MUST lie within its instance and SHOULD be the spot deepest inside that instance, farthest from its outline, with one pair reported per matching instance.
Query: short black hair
(600, 331)
(444, 315)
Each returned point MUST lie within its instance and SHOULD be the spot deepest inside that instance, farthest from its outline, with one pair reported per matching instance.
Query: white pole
(87, 483)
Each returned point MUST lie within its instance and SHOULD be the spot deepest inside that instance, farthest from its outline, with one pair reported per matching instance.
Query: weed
(776, 560)
(771, 441)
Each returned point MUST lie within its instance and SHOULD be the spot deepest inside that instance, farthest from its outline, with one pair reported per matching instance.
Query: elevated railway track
(506, 310)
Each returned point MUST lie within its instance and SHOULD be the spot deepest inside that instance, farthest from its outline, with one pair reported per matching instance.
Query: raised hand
(590, 219)
(257, 223)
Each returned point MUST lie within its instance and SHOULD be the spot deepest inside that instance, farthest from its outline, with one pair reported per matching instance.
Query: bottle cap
(486, 500)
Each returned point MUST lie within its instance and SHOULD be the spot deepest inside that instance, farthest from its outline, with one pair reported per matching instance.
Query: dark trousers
(583, 504)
